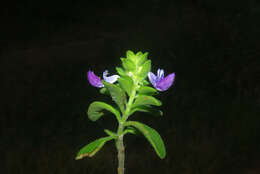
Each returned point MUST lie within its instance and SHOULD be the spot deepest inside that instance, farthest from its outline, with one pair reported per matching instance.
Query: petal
(152, 78)
(166, 82)
(110, 79)
(160, 74)
(94, 80)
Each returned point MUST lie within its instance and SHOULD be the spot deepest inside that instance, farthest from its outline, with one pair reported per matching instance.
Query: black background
(211, 113)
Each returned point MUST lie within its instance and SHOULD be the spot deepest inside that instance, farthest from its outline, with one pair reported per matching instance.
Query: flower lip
(95, 81)
(110, 79)
(160, 82)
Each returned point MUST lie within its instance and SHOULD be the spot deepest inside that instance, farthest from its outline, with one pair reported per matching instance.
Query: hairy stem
(121, 155)
(120, 142)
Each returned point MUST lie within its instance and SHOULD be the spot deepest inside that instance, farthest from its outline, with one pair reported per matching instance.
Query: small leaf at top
(92, 148)
(120, 71)
(96, 110)
(126, 83)
(145, 68)
(146, 100)
(152, 136)
(131, 55)
(104, 91)
(141, 58)
(128, 64)
(117, 94)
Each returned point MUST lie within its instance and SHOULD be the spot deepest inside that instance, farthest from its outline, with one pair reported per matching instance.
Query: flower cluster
(159, 82)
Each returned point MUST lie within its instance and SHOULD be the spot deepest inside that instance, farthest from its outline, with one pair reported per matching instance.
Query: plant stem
(121, 155)
(120, 142)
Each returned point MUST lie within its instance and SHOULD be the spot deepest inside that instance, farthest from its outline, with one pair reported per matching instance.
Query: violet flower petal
(152, 78)
(94, 80)
(160, 74)
(110, 79)
(165, 83)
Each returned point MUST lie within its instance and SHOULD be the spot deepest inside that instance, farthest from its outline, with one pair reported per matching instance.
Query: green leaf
(144, 69)
(110, 133)
(131, 55)
(92, 148)
(96, 110)
(147, 109)
(139, 54)
(141, 57)
(131, 130)
(152, 136)
(145, 82)
(147, 90)
(120, 71)
(146, 100)
(117, 94)
(104, 91)
(128, 64)
(126, 84)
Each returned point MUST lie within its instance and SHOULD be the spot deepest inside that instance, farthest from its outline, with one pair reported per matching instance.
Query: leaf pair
(150, 134)
(142, 103)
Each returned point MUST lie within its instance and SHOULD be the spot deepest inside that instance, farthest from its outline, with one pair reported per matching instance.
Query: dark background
(211, 114)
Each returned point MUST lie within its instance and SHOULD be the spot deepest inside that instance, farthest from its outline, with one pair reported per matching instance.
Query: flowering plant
(130, 92)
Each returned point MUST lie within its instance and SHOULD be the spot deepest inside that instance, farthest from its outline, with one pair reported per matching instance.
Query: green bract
(130, 92)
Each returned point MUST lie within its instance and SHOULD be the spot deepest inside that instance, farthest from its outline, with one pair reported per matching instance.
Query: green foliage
(131, 55)
(92, 148)
(110, 133)
(144, 69)
(147, 109)
(152, 136)
(140, 97)
(131, 130)
(120, 71)
(126, 83)
(117, 94)
(146, 100)
(96, 110)
(141, 57)
(128, 64)
(146, 90)
(104, 91)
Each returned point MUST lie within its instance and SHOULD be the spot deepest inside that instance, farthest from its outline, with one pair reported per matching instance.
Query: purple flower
(160, 82)
(110, 79)
(96, 81)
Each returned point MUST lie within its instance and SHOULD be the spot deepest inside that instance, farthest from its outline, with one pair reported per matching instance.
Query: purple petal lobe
(160, 74)
(110, 79)
(94, 80)
(165, 83)
(152, 78)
